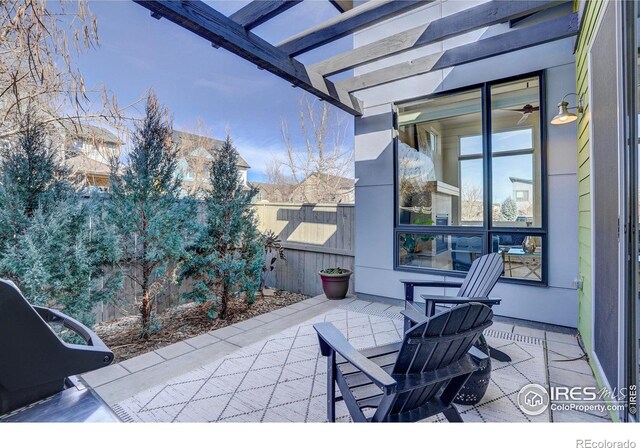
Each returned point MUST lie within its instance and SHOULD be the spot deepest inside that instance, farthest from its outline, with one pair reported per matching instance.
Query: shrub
(226, 259)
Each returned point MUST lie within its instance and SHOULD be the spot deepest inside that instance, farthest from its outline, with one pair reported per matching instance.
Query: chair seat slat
(366, 392)
(372, 402)
(355, 379)
(382, 361)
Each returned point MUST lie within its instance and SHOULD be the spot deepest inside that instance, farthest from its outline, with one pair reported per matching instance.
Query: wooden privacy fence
(130, 296)
(315, 237)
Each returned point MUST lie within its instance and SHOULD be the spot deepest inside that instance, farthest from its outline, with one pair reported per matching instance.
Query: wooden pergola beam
(221, 31)
(347, 23)
(530, 36)
(486, 14)
(342, 5)
(259, 11)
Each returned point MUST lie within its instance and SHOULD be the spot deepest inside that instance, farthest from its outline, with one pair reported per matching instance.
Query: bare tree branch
(322, 166)
(38, 45)
(472, 203)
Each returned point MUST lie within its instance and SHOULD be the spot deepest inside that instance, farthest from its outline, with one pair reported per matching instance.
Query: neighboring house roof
(267, 187)
(86, 165)
(271, 190)
(88, 131)
(327, 188)
(261, 185)
(521, 180)
(213, 144)
(338, 181)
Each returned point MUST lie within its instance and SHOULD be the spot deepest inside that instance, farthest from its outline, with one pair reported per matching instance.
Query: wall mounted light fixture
(564, 116)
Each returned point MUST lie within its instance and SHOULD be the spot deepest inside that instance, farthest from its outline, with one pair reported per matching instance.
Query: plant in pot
(335, 282)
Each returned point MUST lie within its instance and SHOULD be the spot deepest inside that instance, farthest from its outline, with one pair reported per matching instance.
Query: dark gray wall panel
(604, 159)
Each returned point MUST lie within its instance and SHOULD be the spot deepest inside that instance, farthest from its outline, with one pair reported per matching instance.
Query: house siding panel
(592, 11)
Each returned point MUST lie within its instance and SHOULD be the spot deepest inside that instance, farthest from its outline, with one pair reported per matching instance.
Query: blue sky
(194, 80)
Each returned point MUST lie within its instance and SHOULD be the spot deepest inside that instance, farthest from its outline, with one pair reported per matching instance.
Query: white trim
(600, 371)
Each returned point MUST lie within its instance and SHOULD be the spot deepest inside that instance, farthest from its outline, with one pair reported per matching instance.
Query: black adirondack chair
(34, 362)
(411, 380)
(483, 275)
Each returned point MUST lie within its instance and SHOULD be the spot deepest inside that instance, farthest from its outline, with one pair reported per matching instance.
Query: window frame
(488, 230)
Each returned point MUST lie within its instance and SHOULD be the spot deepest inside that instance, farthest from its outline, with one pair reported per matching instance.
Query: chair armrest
(54, 316)
(431, 283)
(481, 358)
(332, 340)
(490, 301)
(413, 314)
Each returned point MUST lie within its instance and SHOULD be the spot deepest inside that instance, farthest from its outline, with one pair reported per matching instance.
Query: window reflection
(437, 185)
(521, 253)
(437, 251)
(516, 149)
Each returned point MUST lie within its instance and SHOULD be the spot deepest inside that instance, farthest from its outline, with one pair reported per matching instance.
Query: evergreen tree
(509, 209)
(225, 262)
(53, 244)
(146, 209)
(31, 177)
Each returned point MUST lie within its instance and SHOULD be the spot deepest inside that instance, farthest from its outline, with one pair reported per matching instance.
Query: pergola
(234, 34)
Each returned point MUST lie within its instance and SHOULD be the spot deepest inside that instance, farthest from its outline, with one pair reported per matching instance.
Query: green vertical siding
(585, 319)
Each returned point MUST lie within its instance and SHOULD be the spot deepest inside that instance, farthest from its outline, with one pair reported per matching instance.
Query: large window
(470, 180)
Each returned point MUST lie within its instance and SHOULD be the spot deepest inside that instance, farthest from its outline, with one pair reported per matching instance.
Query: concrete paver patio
(268, 368)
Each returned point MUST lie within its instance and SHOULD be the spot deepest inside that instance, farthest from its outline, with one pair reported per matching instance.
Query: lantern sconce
(564, 116)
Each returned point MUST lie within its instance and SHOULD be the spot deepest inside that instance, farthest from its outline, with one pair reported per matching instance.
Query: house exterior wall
(102, 152)
(375, 276)
(89, 156)
(522, 193)
(591, 13)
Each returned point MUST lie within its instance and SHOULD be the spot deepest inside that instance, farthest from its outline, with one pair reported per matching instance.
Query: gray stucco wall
(374, 274)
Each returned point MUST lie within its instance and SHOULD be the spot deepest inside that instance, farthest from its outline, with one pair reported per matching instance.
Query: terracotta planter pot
(335, 286)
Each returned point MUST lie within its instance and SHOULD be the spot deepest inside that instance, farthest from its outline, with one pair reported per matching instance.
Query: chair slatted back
(435, 344)
(482, 276)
